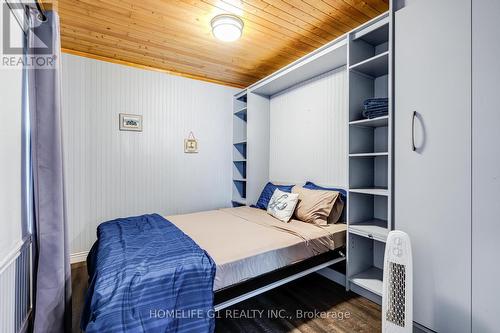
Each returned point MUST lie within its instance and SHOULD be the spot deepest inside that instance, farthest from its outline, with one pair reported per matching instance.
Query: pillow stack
(310, 204)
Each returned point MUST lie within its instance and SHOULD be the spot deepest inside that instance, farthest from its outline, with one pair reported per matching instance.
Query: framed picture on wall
(130, 122)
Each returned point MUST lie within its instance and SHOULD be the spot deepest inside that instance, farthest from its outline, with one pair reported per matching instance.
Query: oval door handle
(414, 115)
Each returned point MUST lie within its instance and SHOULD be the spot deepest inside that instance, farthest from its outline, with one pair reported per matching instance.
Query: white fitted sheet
(247, 242)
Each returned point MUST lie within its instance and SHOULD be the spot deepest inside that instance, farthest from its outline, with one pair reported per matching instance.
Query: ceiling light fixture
(227, 27)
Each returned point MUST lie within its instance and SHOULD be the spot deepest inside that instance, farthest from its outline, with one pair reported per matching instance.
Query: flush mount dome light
(227, 27)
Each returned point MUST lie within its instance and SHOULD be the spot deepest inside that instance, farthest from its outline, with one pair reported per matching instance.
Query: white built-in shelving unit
(370, 156)
(366, 54)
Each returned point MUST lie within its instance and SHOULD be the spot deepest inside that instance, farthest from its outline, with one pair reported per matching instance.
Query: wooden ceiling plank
(94, 20)
(175, 20)
(339, 9)
(149, 68)
(379, 5)
(277, 24)
(91, 36)
(363, 7)
(174, 36)
(256, 41)
(340, 22)
(209, 38)
(279, 16)
(293, 16)
(194, 56)
(80, 44)
(267, 68)
(186, 9)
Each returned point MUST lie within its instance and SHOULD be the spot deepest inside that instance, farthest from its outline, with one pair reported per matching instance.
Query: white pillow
(282, 205)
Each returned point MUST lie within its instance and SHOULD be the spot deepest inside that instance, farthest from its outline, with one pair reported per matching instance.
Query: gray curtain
(52, 272)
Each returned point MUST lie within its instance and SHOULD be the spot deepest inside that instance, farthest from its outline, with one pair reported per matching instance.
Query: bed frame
(242, 291)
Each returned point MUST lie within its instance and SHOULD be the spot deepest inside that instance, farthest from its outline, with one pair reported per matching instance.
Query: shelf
(242, 96)
(374, 67)
(371, 280)
(243, 142)
(240, 201)
(239, 180)
(373, 229)
(242, 113)
(371, 191)
(327, 58)
(374, 122)
(369, 154)
(374, 34)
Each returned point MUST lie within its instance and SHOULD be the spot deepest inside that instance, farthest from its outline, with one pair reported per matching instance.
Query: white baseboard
(78, 257)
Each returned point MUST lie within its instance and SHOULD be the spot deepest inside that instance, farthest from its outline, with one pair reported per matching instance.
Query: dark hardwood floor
(312, 304)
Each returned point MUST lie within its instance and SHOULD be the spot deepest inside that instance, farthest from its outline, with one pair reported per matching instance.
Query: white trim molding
(79, 257)
(14, 254)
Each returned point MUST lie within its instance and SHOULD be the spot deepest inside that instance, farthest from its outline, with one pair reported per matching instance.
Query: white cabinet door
(432, 185)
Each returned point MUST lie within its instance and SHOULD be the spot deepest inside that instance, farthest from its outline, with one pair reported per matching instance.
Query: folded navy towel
(376, 101)
(376, 108)
(371, 105)
(370, 114)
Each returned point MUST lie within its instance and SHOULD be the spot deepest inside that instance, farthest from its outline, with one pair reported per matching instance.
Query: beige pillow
(317, 206)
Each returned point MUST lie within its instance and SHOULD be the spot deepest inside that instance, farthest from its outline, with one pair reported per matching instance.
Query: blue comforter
(146, 275)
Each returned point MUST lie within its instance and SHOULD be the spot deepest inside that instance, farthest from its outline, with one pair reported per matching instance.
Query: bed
(145, 269)
(247, 242)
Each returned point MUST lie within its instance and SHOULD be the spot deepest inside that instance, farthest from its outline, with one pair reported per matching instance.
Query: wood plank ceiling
(175, 35)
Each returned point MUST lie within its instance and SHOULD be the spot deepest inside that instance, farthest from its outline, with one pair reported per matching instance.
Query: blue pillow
(268, 192)
(312, 186)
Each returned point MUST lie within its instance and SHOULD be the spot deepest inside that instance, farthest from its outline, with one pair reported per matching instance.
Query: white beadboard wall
(11, 150)
(112, 174)
(15, 293)
(308, 127)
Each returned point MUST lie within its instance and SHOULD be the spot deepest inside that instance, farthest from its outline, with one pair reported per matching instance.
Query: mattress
(247, 242)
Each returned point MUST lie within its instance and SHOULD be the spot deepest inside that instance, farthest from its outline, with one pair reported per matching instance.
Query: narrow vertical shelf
(242, 113)
(374, 228)
(239, 149)
(371, 123)
(369, 154)
(374, 67)
(370, 279)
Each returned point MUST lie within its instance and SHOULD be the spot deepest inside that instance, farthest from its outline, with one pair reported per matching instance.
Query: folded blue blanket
(146, 275)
